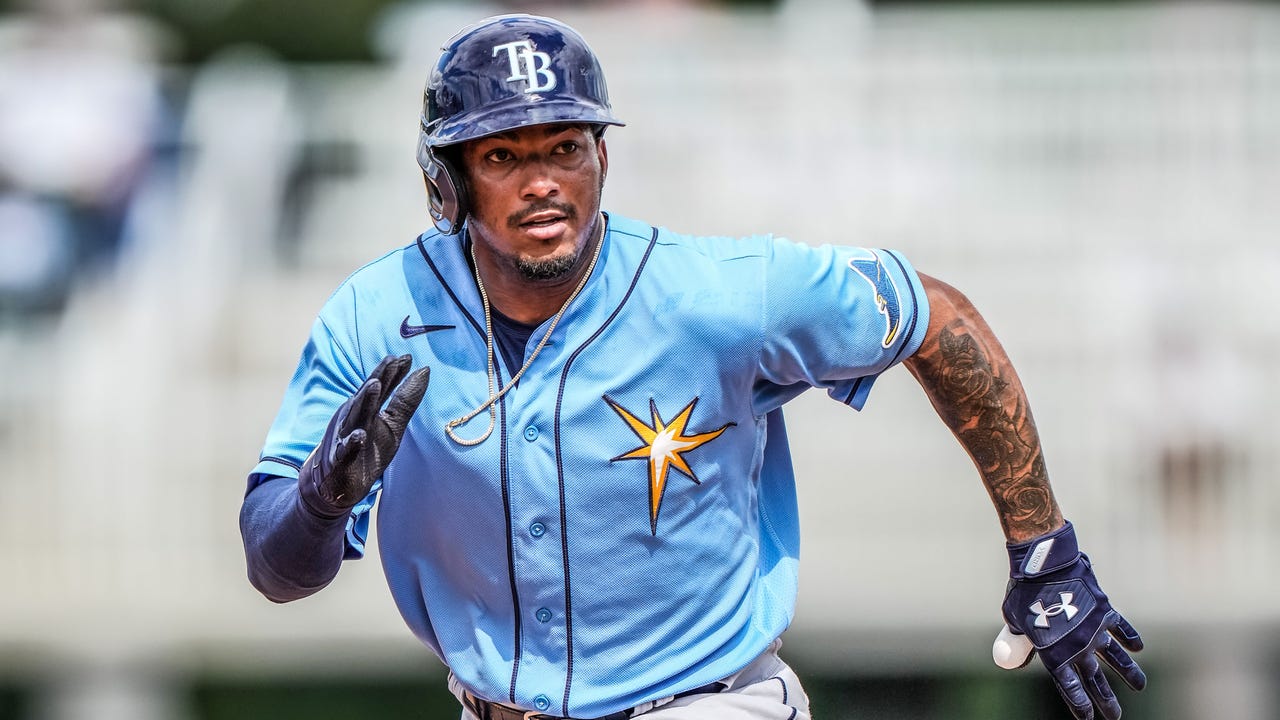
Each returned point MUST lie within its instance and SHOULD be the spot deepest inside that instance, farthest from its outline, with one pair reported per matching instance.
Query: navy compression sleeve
(291, 549)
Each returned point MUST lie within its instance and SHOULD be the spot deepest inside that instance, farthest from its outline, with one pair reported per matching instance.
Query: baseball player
(591, 512)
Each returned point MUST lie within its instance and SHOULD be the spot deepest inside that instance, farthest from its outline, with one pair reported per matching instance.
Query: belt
(486, 710)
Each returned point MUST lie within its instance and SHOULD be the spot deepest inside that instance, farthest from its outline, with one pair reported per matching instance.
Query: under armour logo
(528, 65)
(1044, 613)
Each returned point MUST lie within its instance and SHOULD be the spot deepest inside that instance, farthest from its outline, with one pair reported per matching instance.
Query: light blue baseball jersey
(630, 530)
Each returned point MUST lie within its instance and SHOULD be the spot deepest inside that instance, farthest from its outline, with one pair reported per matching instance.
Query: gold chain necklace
(491, 373)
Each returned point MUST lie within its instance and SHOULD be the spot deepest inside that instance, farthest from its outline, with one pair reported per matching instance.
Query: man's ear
(602, 151)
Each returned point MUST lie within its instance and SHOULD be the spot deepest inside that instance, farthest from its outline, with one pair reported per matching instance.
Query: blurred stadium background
(183, 182)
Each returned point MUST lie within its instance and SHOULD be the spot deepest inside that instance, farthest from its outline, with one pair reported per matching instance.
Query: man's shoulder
(375, 278)
(620, 225)
(390, 263)
(712, 246)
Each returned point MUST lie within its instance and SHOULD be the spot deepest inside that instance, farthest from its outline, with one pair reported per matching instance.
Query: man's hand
(1055, 607)
(362, 437)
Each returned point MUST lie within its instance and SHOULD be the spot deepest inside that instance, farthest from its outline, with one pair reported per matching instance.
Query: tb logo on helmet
(528, 65)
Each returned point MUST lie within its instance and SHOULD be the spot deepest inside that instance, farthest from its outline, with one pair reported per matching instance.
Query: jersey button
(543, 615)
(531, 433)
(537, 529)
(541, 702)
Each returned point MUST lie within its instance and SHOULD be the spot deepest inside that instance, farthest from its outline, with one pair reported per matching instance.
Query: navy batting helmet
(504, 72)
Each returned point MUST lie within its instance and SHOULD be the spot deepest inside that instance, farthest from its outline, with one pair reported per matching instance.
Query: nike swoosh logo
(408, 331)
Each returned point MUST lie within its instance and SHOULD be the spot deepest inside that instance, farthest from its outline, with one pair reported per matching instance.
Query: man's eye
(566, 148)
(498, 156)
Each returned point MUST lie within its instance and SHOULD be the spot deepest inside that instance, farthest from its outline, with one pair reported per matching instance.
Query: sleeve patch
(886, 290)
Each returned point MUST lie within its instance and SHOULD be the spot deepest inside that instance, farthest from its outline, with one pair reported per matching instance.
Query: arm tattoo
(972, 384)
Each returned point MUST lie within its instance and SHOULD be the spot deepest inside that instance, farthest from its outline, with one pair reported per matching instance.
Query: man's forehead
(534, 130)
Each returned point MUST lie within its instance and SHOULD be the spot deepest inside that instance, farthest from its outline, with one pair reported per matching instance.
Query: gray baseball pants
(767, 689)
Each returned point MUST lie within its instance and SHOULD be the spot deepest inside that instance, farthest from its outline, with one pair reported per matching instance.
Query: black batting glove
(1054, 608)
(362, 438)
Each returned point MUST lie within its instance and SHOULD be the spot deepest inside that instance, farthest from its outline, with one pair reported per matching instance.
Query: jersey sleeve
(836, 317)
(328, 373)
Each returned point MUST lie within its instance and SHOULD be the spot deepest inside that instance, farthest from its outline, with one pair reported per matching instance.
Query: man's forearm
(972, 385)
(291, 551)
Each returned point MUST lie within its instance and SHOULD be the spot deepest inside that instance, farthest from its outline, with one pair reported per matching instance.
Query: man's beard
(543, 269)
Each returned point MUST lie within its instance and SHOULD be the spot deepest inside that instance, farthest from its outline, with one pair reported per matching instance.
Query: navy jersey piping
(504, 479)
(355, 323)
(517, 627)
(425, 256)
(504, 474)
(853, 392)
(786, 697)
(282, 461)
(564, 532)
(783, 683)
(915, 306)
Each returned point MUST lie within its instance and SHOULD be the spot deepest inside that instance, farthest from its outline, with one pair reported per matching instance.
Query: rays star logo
(663, 447)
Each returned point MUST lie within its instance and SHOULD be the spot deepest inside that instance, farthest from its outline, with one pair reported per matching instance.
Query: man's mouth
(545, 225)
(542, 219)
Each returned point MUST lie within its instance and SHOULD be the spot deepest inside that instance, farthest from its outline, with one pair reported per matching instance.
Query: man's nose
(539, 182)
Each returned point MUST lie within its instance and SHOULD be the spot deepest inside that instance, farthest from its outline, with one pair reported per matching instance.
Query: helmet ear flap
(446, 191)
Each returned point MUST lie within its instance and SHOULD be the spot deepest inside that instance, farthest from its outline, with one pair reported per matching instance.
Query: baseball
(1011, 651)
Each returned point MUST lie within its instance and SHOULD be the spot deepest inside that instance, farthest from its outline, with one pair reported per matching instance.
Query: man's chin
(547, 268)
